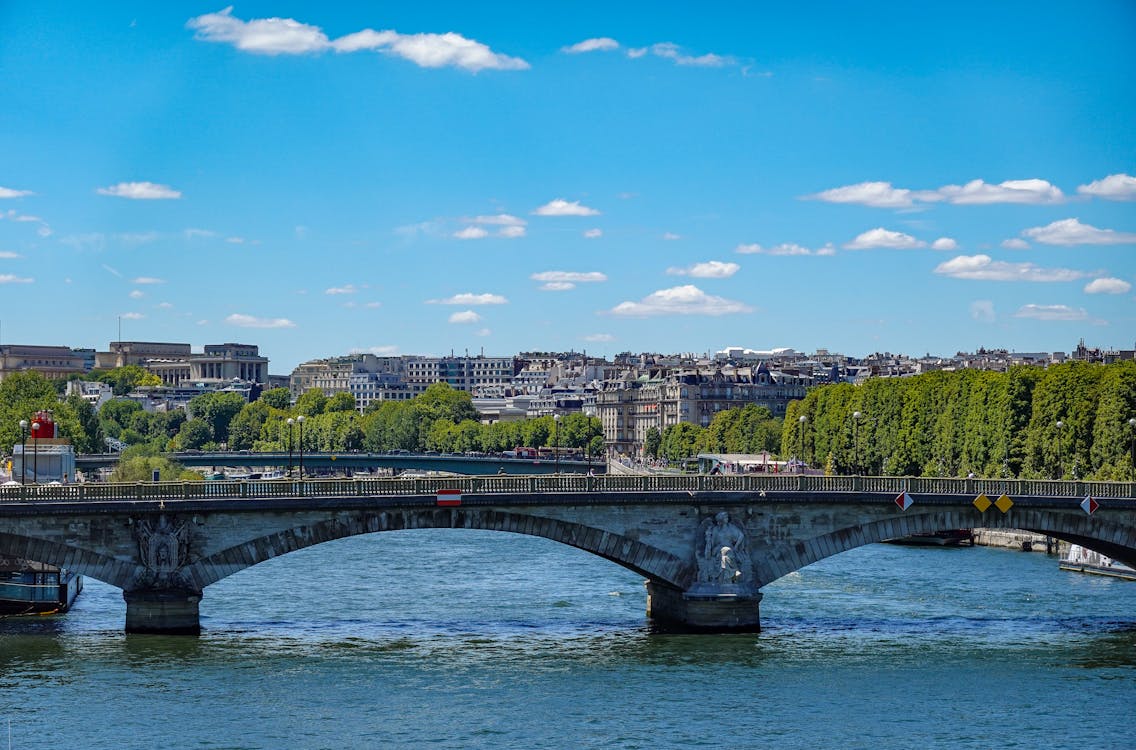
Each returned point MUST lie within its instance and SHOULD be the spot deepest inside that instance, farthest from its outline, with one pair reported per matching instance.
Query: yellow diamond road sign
(1004, 504)
(982, 503)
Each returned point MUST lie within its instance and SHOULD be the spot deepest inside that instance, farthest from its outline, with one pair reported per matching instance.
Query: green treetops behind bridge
(750, 429)
(441, 419)
(1066, 421)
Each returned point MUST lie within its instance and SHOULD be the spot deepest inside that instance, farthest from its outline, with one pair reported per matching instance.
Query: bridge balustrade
(566, 483)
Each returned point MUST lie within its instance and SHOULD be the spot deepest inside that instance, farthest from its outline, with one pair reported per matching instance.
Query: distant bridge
(705, 544)
(354, 461)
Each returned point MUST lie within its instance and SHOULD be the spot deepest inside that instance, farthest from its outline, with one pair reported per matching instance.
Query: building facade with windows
(53, 362)
(630, 406)
(176, 364)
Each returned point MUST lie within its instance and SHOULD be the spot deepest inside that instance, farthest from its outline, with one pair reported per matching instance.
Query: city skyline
(401, 180)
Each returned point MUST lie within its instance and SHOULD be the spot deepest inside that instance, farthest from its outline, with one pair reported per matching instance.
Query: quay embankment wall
(1025, 541)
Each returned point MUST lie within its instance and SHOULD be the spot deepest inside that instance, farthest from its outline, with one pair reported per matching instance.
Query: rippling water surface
(454, 639)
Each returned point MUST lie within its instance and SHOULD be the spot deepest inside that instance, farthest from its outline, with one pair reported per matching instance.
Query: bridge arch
(649, 561)
(94, 565)
(1115, 540)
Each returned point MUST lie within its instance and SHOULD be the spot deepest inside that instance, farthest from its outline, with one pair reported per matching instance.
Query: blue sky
(420, 178)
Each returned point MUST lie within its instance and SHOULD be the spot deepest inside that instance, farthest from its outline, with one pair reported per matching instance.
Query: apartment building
(638, 401)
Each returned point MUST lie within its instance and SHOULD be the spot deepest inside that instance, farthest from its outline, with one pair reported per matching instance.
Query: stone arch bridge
(705, 544)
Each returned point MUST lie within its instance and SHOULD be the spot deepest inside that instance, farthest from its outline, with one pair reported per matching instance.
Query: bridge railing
(564, 483)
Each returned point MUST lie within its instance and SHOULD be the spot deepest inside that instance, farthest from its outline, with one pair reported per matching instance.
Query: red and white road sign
(449, 497)
(903, 500)
(1089, 505)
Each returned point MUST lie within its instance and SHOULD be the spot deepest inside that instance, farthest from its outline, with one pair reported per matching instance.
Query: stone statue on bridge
(723, 558)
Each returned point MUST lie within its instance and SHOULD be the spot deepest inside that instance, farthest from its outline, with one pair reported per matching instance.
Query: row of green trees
(751, 429)
(1070, 420)
(441, 419)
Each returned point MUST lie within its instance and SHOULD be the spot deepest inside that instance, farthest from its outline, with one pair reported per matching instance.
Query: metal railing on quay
(563, 483)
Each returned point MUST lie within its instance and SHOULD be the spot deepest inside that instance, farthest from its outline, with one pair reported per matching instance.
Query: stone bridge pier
(163, 611)
(723, 596)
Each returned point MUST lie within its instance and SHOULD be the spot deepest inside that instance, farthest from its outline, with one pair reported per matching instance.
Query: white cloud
(599, 338)
(483, 332)
(673, 52)
(982, 310)
(506, 220)
(671, 236)
(561, 207)
(468, 316)
(680, 300)
(43, 230)
(9, 255)
(10, 193)
(263, 36)
(345, 289)
(1051, 312)
(711, 269)
(248, 321)
(885, 195)
(148, 280)
(468, 298)
(978, 192)
(785, 248)
(286, 36)
(511, 232)
(636, 52)
(7, 278)
(878, 194)
(471, 233)
(602, 43)
(983, 268)
(165, 305)
(880, 237)
(138, 238)
(382, 351)
(1115, 187)
(592, 234)
(1015, 244)
(372, 305)
(431, 50)
(1108, 286)
(141, 191)
(1073, 232)
(137, 294)
(557, 286)
(132, 316)
(944, 243)
(194, 233)
(584, 277)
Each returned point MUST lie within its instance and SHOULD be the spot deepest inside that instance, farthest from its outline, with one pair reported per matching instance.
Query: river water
(465, 639)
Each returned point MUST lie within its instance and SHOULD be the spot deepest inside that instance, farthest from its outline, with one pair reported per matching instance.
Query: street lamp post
(801, 442)
(1060, 465)
(300, 421)
(23, 450)
(35, 452)
(1132, 445)
(556, 428)
(856, 438)
(290, 423)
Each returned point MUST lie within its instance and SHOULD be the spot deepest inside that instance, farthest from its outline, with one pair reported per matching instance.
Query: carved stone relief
(163, 550)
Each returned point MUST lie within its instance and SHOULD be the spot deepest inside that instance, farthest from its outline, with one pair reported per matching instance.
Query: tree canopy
(1068, 420)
